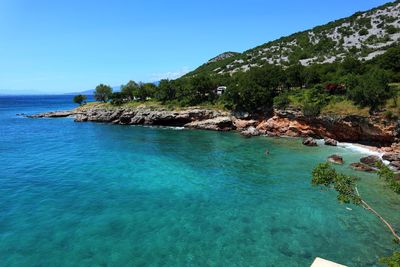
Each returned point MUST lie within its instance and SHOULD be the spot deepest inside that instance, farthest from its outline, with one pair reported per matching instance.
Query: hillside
(363, 35)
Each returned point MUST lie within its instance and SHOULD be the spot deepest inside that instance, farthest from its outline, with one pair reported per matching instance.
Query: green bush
(389, 115)
(386, 174)
(281, 101)
(79, 99)
(390, 29)
(371, 90)
(119, 98)
(363, 32)
(392, 261)
(102, 93)
(311, 109)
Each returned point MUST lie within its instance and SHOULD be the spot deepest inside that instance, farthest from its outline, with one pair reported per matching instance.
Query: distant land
(91, 91)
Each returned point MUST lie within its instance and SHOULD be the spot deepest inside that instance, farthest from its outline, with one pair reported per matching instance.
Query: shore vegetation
(348, 87)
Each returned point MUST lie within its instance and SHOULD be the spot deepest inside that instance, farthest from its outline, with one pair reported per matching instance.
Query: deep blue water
(87, 194)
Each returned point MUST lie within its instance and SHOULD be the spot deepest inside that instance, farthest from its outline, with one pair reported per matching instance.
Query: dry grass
(345, 107)
(150, 105)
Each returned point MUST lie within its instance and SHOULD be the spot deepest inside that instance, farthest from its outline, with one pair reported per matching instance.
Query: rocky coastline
(355, 129)
(376, 132)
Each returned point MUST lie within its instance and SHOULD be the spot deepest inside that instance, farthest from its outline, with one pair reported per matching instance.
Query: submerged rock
(358, 166)
(309, 141)
(371, 160)
(330, 141)
(336, 159)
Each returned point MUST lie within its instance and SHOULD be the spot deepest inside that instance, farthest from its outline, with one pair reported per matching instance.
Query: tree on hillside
(268, 76)
(351, 65)
(102, 93)
(372, 90)
(119, 98)
(202, 89)
(145, 90)
(79, 99)
(166, 91)
(311, 76)
(295, 75)
(390, 61)
(130, 89)
(249, 96)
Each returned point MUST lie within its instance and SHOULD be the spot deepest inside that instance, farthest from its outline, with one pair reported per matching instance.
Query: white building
(221, 90)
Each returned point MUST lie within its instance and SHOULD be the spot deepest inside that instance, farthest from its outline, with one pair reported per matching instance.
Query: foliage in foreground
(325, 175)
(391, 261)
(389, 177)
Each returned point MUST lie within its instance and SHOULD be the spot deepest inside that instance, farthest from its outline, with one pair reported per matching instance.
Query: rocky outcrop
(53, 114)
(251, 131)
(241, 124)
(336, 159)
(362, 167)
(215, 124)
(330, 142)
(355, 129)
(391, 157)
(309, 142)
(395, 165)
(394, 160)
(371, 160)
(290, 122)
(191, 117)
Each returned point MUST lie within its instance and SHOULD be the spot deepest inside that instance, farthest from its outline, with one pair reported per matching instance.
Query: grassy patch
(344, 107)
(151, 104)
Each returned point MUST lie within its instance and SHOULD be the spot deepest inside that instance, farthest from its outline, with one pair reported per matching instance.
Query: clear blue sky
(57, 46)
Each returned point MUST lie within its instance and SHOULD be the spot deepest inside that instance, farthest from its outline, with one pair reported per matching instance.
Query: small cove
(88, 194)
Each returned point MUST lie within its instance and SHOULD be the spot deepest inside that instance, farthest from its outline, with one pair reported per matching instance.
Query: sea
(94, 194)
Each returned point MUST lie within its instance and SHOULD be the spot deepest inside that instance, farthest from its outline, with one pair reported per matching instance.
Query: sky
(52, 47)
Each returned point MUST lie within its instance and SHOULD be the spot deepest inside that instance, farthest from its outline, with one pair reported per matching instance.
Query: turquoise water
(87, 194)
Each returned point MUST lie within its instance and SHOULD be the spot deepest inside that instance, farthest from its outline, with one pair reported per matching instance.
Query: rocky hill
(363, 35)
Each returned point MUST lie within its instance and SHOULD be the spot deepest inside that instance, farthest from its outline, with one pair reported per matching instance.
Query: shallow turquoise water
(86, 194)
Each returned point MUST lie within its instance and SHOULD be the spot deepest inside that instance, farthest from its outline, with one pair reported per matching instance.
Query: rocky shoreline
(354, 129)
(289, 123)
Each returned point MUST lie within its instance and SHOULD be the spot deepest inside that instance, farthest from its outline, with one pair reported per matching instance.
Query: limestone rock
(216, 124)
(251, 131)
